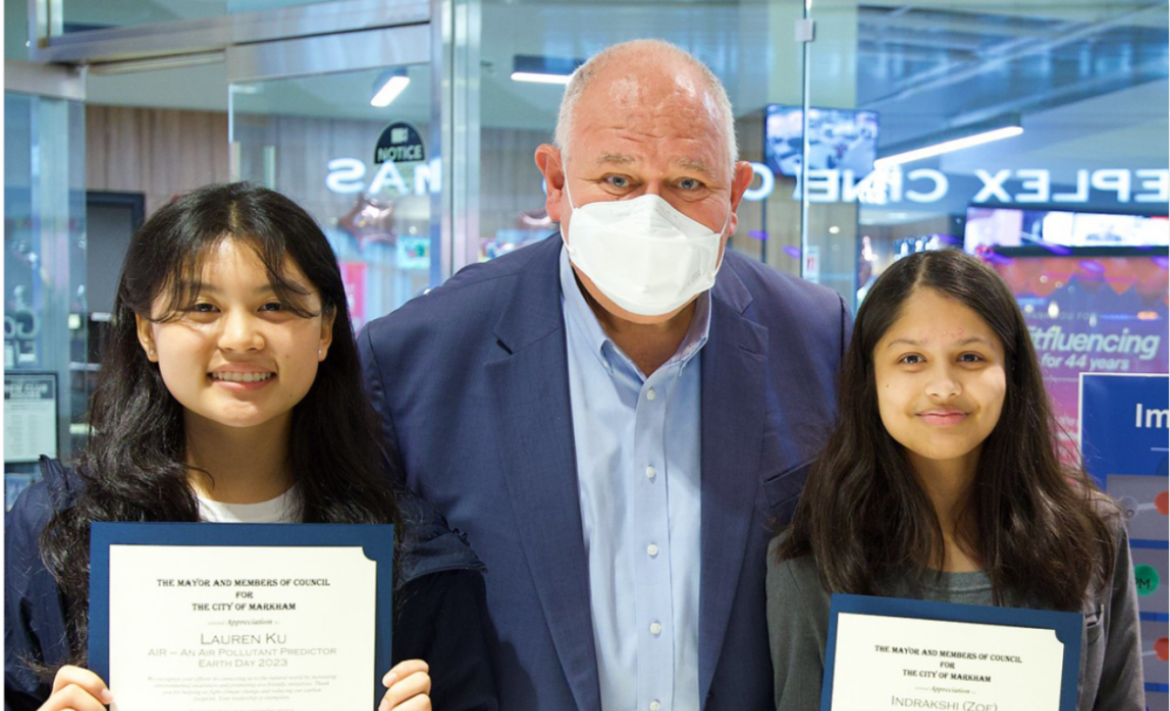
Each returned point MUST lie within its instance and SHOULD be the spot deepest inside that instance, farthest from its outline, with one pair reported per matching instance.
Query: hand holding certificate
(241, 617)
(913, 654)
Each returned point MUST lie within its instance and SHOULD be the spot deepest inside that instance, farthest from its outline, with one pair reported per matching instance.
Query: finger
(84, 678)
(417, 684)
(416, 703)
(404, 669)
(72, 698)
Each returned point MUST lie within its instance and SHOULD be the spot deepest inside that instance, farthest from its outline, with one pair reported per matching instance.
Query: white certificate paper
(241, 627)
(885, 661)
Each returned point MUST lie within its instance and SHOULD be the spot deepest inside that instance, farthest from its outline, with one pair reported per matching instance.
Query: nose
(240, 332)
(943, 384)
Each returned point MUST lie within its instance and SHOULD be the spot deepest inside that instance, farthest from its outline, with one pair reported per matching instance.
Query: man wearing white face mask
(646, 257)
(618, 415)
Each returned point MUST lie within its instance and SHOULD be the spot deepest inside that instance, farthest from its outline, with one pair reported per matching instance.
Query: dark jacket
(439, 602)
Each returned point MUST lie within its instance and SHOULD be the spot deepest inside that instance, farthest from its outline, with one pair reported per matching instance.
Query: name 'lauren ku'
(234, 639)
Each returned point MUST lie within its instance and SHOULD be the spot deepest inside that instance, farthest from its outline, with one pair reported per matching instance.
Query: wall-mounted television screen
(841, 139)
(994, 226)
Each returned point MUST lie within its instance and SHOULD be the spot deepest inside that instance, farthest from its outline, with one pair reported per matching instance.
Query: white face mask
(646, 256)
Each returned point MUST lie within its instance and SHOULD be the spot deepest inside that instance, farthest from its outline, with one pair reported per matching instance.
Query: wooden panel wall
(159, 152)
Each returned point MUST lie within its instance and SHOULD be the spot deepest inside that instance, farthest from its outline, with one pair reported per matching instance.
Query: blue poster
(1125, 433)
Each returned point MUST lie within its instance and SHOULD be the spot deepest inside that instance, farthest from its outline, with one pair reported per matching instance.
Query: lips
(943, 417)
(234, 377)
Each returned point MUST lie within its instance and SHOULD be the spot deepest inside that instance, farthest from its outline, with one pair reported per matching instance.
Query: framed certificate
(893, 653)
(246, 617)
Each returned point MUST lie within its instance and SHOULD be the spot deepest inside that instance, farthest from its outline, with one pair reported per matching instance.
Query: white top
(285, 508)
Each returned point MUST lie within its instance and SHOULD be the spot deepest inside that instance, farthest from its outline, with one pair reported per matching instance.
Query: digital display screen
(1010, 227)
(838, 139)
(1099, 314)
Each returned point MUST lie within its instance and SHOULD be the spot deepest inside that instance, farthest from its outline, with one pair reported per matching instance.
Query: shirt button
(651, 473)
(655, 629)
(650, 394)
(654, 705)
(652, 550)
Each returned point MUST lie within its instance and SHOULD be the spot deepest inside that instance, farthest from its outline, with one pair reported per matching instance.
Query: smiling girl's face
(940, 377)
(237, 356)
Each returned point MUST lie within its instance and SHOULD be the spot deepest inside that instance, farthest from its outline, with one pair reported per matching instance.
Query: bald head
(647, 70)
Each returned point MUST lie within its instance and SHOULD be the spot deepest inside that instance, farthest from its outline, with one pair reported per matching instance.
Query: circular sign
(399, 143)
(1147, 580)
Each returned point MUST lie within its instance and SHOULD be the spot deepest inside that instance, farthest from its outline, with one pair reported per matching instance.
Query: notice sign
(399, 143)
(30, 416)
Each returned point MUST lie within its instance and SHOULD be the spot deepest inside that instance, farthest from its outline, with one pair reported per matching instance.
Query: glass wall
(314, 139)
(45, 307)
(1034, 135)
(749, 45)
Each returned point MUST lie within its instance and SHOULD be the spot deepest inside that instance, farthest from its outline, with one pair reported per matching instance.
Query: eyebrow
(198, 287)
(918, 344)
(619, 158)
(692, 164)
(626, 159)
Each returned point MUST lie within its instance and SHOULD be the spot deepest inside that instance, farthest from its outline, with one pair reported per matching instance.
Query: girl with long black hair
(943, 481)
(231, 391)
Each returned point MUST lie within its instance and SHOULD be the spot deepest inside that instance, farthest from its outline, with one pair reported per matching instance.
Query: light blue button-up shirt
(638, 448)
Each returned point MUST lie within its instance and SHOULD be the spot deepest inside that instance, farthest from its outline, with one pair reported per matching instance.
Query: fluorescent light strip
(540, 78)
(390, 91)
(957, 144)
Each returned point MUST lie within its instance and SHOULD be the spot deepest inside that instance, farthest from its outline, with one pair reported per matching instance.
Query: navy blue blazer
(471, 381)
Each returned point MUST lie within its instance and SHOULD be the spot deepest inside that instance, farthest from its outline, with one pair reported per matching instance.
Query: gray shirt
(798, 625)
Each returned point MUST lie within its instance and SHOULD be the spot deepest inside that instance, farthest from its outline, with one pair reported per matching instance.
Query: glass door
(344, 131)
(45, 305)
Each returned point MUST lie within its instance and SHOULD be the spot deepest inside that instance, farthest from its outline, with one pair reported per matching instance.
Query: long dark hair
(1039, 526)
(134, 468)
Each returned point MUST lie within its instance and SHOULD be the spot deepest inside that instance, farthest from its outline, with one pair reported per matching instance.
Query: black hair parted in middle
(1039, 526)
(134, 467)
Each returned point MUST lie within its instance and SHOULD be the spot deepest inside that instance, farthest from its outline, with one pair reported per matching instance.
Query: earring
(320, 352)
(150, 352)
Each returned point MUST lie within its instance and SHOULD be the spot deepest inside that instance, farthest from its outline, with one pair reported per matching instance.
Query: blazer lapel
(531, 388)
(733, 401)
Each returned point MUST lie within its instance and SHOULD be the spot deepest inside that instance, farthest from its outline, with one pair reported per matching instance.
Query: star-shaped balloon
(370, 220)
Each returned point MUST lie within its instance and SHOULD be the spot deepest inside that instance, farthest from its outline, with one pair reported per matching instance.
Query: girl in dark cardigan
(231, 391)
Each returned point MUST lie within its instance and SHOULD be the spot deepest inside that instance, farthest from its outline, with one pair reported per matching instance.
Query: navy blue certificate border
(1066, 625)
(375, 540)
